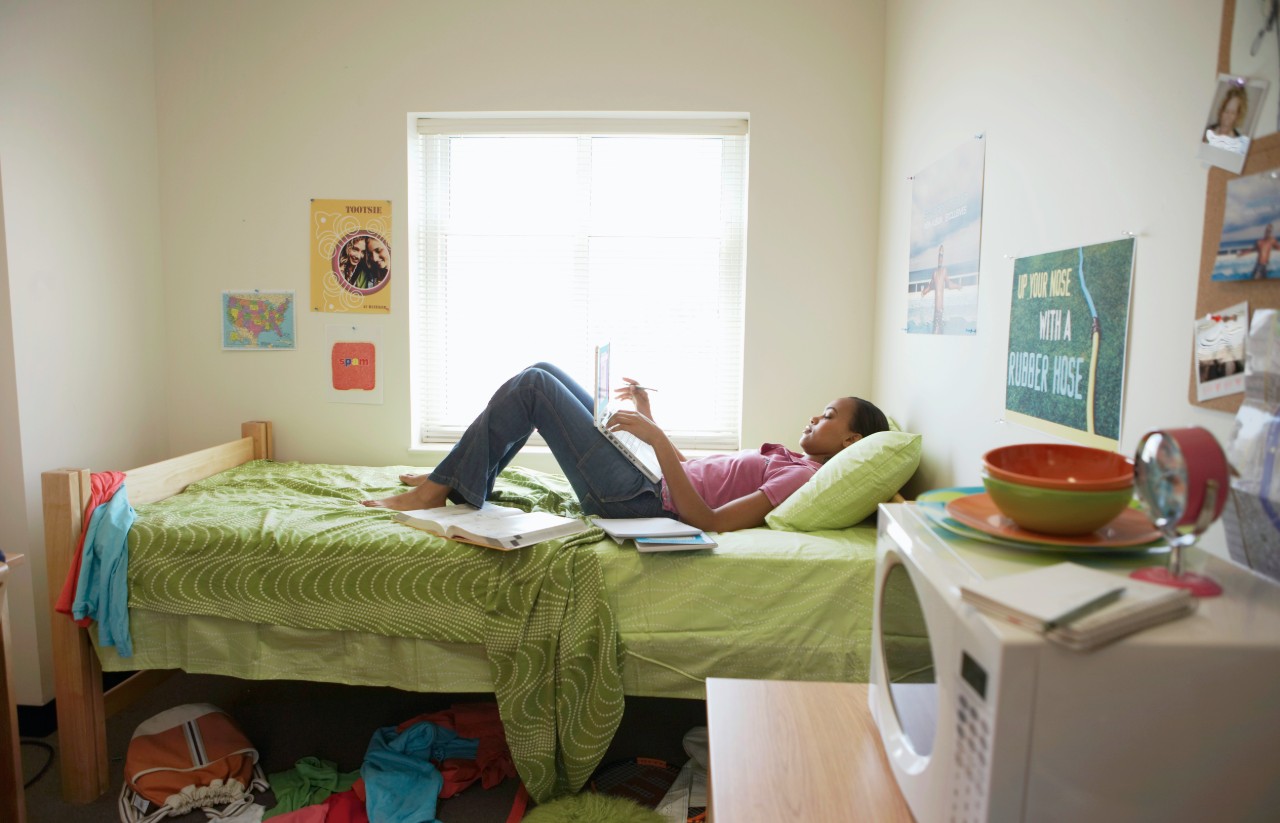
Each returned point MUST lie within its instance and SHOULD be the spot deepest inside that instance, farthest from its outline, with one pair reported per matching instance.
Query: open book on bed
(497, 527)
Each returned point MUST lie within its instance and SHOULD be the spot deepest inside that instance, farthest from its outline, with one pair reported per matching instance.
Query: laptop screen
(602, 382)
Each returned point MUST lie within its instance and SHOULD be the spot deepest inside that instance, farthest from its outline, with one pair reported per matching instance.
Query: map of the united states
(258, 321)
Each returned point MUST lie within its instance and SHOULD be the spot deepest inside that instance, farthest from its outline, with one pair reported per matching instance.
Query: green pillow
(850, 485)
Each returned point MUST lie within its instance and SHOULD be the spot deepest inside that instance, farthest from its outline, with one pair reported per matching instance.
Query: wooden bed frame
(82, 705)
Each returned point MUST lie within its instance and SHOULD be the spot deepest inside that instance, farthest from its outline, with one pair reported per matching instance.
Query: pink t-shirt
(775, 470)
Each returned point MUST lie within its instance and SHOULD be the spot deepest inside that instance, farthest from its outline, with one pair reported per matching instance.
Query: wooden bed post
(260, 431)
(82, 731)
(83, 707)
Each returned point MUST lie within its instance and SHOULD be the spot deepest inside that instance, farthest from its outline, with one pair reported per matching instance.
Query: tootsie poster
(1068, 335)
(351, 256)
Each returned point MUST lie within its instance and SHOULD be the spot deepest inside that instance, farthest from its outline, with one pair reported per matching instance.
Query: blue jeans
(543, 397)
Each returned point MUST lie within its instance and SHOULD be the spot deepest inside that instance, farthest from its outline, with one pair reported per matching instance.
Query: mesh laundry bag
(187, 758)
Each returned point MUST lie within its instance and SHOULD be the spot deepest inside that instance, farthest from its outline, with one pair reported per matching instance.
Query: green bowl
(1056, 511)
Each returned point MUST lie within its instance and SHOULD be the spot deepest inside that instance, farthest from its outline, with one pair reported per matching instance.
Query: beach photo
(946, 234)
(1250, 222)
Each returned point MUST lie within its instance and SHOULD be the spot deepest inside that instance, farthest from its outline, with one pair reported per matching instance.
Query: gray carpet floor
(289, 720)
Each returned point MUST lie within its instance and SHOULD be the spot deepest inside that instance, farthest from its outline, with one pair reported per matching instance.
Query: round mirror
(1181, 476)
(908, 660)
(1160, 478)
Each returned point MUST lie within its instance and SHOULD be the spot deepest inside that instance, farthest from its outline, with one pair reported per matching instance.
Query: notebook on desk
(633, 448)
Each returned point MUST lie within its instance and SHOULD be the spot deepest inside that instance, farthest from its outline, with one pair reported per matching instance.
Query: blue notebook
(675, 544)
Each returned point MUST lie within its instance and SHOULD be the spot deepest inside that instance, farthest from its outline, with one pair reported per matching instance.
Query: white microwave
(985, 721)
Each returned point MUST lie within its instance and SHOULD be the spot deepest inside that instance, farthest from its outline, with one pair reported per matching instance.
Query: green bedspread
(273, 571)
(287, 544)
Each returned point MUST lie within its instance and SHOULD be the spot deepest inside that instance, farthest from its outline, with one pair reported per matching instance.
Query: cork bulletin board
(1216, 295)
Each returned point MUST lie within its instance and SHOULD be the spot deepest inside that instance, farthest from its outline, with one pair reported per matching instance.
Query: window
(538, 238)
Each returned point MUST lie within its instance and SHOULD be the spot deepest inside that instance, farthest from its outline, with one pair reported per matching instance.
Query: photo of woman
(1229, 126)
(362, 262)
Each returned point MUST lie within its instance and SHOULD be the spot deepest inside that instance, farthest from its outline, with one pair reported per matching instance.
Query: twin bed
(243, 566)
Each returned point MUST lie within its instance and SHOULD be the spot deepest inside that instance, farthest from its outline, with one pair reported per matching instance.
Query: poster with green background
(1068, 333)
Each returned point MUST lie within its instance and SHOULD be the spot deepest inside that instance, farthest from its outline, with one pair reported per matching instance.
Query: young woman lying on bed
(720, 493)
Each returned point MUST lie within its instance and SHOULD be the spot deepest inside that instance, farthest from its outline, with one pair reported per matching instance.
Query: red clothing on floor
(346, 807)
(479, 721)
(340, 807)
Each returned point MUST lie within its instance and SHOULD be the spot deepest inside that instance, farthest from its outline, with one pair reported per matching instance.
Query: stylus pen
(638, 387)
(1104, 599)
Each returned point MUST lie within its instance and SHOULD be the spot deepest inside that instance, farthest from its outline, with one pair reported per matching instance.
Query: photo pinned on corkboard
(1228, 129)
(1220, 352)
(1250, 219)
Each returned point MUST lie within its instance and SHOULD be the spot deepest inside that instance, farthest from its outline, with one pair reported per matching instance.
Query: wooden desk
(12, 802)
(783, 750)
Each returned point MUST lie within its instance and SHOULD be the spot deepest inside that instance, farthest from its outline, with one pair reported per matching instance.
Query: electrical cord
(47, 763)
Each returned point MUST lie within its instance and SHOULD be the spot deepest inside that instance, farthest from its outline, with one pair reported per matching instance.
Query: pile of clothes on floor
(195, 757)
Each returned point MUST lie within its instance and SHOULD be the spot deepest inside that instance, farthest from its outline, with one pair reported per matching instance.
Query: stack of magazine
(655, 534)
(1076, 606)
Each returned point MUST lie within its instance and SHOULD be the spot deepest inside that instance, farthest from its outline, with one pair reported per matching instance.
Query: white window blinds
(536, 238)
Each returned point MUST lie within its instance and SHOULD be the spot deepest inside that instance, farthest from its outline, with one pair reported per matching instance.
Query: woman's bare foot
(426, 496)
(413, 479)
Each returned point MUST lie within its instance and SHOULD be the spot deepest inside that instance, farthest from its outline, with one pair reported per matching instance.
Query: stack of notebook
(1076, 606)
(655, 534)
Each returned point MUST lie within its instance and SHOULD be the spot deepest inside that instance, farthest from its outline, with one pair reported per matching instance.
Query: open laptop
(633, 448)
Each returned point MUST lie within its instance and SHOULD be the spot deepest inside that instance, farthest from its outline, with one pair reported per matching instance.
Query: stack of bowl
(1056, 488)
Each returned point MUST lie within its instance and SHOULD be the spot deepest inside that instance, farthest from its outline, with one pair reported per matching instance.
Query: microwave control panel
(973, 750)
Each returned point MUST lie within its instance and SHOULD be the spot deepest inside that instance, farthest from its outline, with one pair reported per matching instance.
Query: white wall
(83, 382)
(239, 112)
(1092, 112)
(263, 106)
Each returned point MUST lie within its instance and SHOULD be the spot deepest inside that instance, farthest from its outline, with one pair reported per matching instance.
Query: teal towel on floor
(400, 784)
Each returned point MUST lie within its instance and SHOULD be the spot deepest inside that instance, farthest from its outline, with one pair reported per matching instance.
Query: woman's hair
(867, 419)
(1235, 91)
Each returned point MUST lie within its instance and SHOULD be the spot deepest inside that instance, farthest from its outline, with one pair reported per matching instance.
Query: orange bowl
(1060, 466)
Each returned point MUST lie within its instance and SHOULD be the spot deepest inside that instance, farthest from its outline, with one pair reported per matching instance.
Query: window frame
(424, 291)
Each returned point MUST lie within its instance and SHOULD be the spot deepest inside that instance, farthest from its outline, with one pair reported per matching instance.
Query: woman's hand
(636, 393)
(638, 424)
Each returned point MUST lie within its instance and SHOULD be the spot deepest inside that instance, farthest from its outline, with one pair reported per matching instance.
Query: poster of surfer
(946, 235)
(1250, 223)
(1068, 335)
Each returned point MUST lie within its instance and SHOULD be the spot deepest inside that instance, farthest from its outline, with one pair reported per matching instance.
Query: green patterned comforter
(273, 570)
(287, 544)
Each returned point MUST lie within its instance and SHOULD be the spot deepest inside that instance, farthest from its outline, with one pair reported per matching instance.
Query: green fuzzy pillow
(850, 485)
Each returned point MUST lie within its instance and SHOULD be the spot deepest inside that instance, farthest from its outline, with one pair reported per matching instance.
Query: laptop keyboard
(640, 449)
(631, 441)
